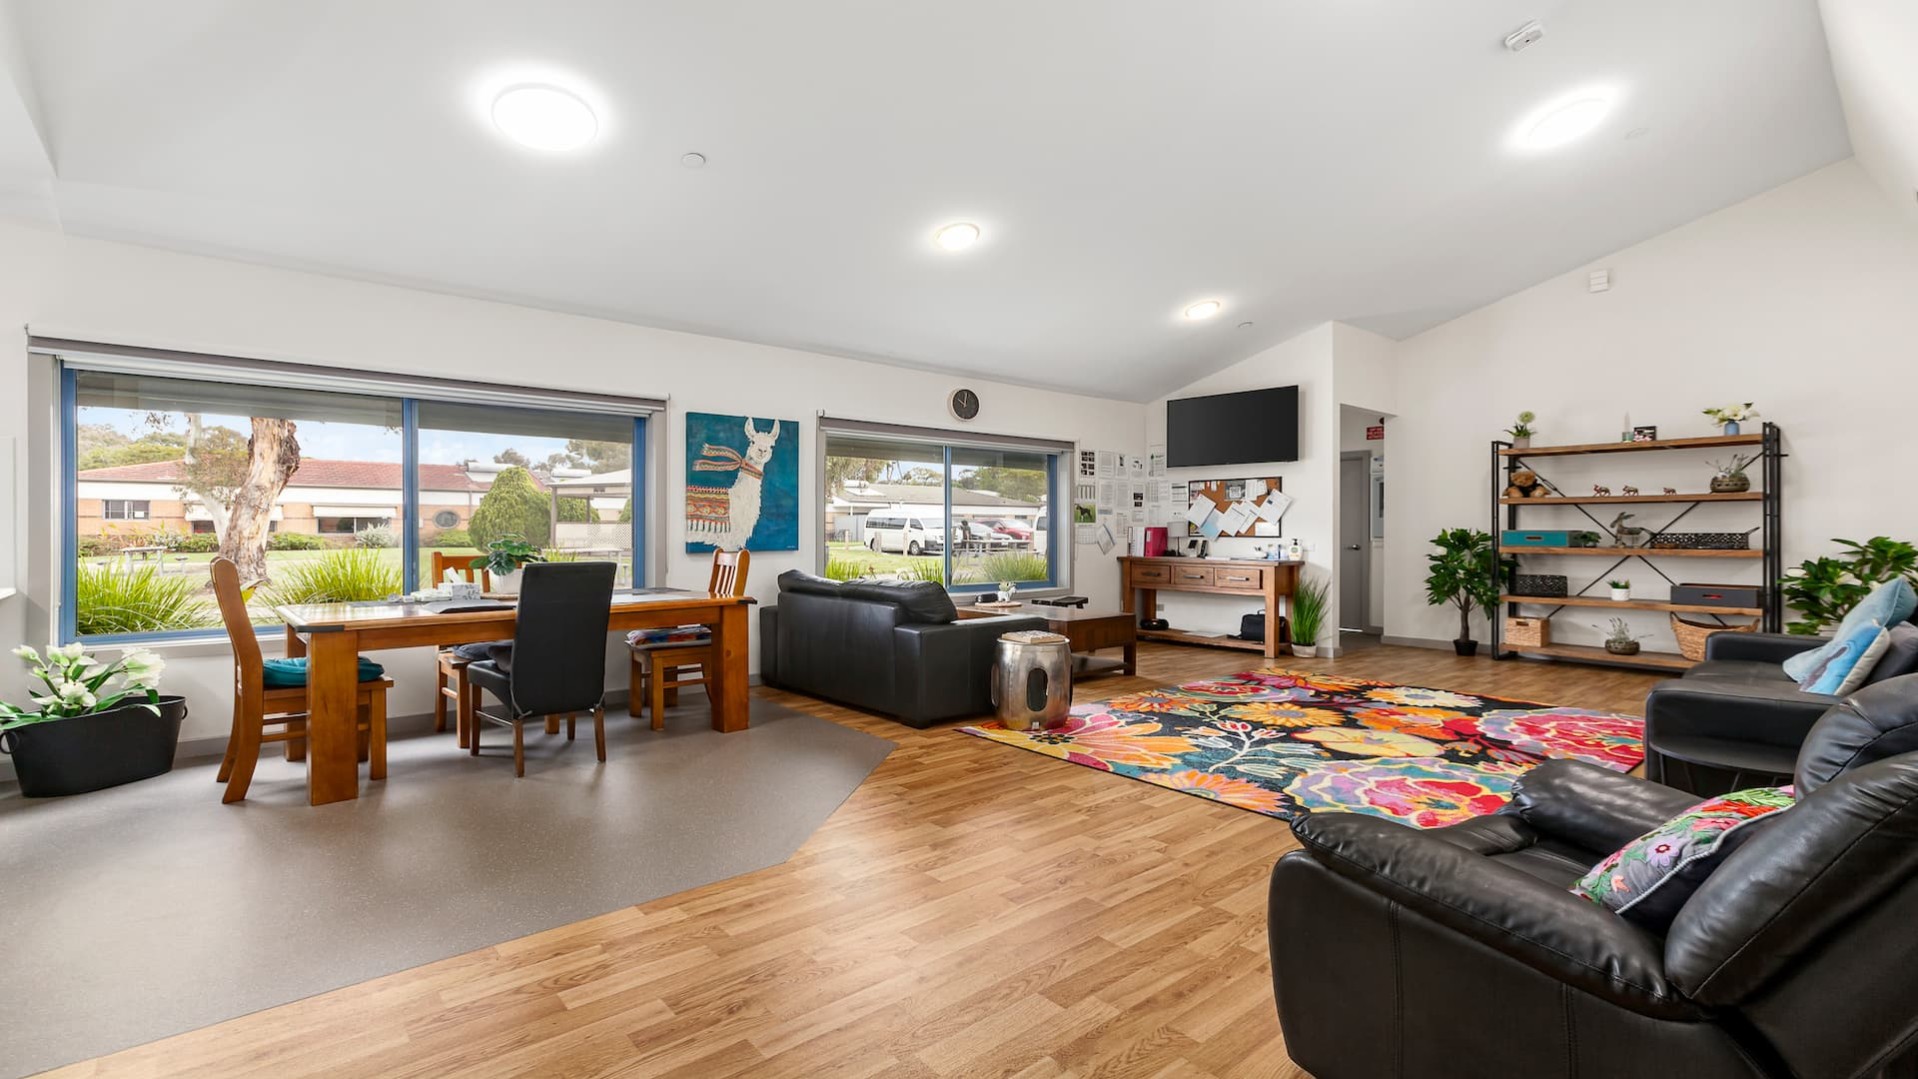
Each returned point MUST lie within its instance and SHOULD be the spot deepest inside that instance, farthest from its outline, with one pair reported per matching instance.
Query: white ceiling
(1302, 160)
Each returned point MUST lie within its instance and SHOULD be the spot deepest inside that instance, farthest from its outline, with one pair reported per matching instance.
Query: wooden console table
(1142, 579)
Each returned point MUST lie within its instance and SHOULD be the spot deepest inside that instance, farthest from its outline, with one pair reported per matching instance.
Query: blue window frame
(101, 414)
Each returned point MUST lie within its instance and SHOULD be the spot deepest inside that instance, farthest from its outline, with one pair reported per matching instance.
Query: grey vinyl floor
(150, 909)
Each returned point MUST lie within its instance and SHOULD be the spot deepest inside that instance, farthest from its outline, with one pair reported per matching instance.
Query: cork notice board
(1227, 495)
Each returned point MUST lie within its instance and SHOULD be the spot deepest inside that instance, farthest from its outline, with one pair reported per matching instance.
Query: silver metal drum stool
(1032, 680)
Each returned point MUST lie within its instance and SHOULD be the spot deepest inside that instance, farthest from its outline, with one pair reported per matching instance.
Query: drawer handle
(1238, 578)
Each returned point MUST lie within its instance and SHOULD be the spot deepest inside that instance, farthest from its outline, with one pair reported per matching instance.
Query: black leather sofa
(1735, 720)
(1460, 952)
(894, 647)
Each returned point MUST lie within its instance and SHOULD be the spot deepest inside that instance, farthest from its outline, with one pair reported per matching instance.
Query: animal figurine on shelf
(1671, 490)
(1625, 535)
(1601, 491)
(1526, 484)
(1628, 489)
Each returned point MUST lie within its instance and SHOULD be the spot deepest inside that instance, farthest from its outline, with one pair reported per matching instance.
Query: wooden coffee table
(1087, 632)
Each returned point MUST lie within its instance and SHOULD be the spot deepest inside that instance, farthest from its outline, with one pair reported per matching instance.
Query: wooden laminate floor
(973, 909)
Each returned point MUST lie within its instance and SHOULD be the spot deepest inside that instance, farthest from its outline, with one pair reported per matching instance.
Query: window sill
(271, 643)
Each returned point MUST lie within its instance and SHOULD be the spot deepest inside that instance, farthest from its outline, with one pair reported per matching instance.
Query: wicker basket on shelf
(1528, 632)
(1692, 635)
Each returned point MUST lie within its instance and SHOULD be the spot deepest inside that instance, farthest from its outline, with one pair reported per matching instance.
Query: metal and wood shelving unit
(1507, 459)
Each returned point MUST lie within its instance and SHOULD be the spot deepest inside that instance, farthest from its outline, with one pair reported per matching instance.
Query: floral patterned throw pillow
(1652, 877)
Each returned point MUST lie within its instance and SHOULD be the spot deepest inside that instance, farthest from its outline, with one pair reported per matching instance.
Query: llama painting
(742, 483)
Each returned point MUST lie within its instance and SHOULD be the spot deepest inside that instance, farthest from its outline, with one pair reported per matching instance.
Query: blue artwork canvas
(742, 483)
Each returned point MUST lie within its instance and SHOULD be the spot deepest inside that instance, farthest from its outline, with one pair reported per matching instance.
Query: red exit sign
(1375, 433)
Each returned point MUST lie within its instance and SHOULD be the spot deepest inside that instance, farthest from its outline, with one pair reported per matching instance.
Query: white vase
(508, 583)
(1305, 651)
(1620, 595)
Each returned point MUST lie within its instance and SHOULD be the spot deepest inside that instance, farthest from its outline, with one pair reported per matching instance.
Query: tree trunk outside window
(273, 455)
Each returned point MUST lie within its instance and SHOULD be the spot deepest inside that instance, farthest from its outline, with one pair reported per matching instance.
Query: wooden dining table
(332, 635)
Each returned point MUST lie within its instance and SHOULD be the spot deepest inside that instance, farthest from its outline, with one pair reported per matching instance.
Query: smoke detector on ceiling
(1525, 36)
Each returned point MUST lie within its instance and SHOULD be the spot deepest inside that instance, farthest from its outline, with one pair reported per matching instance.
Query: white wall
(1874, 59)
(95, 290)
(1803, 299)
(1304, 361)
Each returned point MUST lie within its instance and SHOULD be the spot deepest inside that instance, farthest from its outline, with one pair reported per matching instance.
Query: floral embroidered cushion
(1652, 876)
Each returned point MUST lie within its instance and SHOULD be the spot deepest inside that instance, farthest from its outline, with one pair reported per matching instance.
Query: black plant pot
(88, 753)
(1465, 647)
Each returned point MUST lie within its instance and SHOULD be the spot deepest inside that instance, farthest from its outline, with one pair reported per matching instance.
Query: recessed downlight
(544, 117)
(1563, 120)
(1203, 309)
(957, 236)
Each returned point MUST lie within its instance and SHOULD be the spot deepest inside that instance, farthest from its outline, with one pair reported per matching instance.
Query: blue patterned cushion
(1848, 661)
(669, 635)
(1888, 604)
(288, 673)
(1650, 878)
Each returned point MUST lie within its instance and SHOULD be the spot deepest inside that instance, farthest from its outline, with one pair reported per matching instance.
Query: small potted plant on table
(1621, 589)
(97, 725)
(1466, 573)
(504, 558)
(1309, 607)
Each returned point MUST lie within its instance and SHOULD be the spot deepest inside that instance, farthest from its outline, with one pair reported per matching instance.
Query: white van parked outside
(899, 532)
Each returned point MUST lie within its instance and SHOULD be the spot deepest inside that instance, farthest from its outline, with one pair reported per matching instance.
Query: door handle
(1352, 547)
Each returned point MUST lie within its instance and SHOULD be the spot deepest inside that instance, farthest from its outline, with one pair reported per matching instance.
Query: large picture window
(319, 496)
(965, 515)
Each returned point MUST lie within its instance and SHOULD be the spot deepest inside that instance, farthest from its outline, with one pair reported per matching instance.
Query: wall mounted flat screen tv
(1233, 428)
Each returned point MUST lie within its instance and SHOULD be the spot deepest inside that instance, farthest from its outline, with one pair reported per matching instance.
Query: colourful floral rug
(1283, 743)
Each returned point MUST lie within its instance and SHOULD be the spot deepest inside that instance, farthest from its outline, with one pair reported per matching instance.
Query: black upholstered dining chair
(557, 664)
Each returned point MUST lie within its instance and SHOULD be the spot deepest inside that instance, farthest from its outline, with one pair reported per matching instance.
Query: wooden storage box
(1527, 632)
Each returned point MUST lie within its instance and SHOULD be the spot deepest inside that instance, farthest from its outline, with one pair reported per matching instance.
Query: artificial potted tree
(1309, 605)
(504, 558)
(1464, 572)
(97, 725)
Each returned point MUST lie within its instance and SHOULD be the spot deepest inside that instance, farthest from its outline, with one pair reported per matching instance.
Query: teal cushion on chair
(1887, 605)
(291, 673)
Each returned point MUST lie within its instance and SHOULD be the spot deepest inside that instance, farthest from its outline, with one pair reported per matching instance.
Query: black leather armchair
(1461, 952)
(900, 649)
(1735, 720)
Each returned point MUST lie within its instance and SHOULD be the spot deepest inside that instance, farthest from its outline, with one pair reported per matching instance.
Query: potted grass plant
(1621, 589)
(98, 724)
(1310, 604)
(1466, 573)
(504, 558)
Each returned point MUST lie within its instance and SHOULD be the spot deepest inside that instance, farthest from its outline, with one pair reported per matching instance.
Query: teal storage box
(1513, 537)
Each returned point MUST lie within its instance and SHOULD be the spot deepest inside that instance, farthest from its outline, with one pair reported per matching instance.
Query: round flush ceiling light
(1564, 120)
(1203, 309)
(544, 118)
(957, 236)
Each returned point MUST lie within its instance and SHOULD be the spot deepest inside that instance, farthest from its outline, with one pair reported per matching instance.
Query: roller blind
(933, 436)
(250, 374)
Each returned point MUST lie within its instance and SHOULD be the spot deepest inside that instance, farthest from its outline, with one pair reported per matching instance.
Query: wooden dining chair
(658, 655)
(451, 681)
(257, 707)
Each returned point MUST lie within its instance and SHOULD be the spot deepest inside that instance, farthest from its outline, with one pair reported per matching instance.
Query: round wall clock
(964, 404)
